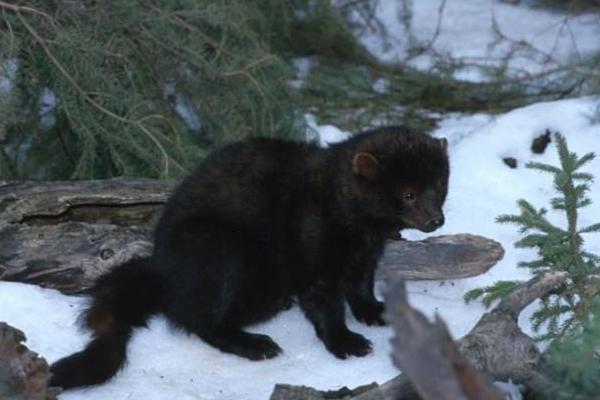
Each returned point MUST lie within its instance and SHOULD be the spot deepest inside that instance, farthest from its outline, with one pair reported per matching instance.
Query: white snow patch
(183, 108)
(8, 72)
(47, 106)
(466, 31)
(326, 134)
(381, 85)
(303, 66)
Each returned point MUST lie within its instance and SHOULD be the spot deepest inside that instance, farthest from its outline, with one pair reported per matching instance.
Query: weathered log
(440, 257)
(122, 201)
(63, 235)
(394, 389)
(498, 346)
(68, 256)
(427, 355)
(23, 374)
(289, 392)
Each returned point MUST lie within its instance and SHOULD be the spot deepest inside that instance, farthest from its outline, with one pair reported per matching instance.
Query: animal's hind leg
(215, 288)
(252, 346)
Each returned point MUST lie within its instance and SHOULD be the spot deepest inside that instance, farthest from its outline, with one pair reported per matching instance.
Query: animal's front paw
(370, 313)
(347, 344)
(257, 347)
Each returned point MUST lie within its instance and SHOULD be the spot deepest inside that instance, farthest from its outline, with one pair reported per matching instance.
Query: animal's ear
(366, 165)
(443, 144)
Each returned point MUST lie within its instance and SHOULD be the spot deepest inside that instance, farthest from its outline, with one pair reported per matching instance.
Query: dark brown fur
(262, 222)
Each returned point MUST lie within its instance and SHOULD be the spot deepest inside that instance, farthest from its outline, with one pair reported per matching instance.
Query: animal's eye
(409, 196)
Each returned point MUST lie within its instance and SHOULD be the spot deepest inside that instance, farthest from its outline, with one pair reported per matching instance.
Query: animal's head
(403, 179)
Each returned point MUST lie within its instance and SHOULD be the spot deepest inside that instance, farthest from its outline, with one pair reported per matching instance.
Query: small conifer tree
(564, 310)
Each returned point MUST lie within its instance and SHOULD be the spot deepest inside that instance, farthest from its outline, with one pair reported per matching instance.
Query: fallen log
(439, 257)
(23, 374)
(289, 392)
(68, 256)
(63, 235)
(120, 201)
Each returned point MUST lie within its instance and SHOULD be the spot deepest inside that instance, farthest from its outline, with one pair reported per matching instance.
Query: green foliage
(563, 311)
(573, 362)
(123, 71)
(345, 94)
(571, 5)
(491, 293)
(147, 88)
(318, 28)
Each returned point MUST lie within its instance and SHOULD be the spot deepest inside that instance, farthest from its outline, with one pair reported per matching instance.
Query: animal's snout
(436, 222)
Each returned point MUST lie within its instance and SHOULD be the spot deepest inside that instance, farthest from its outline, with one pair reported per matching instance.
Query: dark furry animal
(261, 222)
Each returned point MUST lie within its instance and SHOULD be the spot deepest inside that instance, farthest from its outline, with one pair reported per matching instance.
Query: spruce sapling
(564, 310)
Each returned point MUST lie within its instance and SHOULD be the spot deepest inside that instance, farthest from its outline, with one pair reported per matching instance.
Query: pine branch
(583, 176)
(532, 240)
(543, 167)
(498, 291)
(580, 162)
(153, 90)
(534, 265)
(42, 43)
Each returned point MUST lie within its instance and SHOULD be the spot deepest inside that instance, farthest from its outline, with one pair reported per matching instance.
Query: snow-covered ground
(168, 364)
(483, 32)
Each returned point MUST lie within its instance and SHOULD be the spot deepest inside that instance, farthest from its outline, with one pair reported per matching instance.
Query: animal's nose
(436, 222)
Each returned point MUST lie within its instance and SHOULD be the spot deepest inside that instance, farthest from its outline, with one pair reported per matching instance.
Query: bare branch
(426, 353)
(520, 298)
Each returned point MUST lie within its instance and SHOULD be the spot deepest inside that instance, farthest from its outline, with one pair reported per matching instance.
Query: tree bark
(440, 257)
(289, 392)
(120, 201)
(23, 374)
(498, 346)
(63, 235)
(68, 256)
(427, 355)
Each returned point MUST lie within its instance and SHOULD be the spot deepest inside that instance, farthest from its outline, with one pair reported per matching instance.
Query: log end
(440, 257)
(23, 374)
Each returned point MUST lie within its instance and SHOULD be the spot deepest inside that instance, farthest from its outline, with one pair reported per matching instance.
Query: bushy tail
(121, 300)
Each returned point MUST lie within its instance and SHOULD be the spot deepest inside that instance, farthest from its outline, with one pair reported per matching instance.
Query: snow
(165, 363)
(8, 70)
(326, 134)
(303, 66)
(467, 32)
